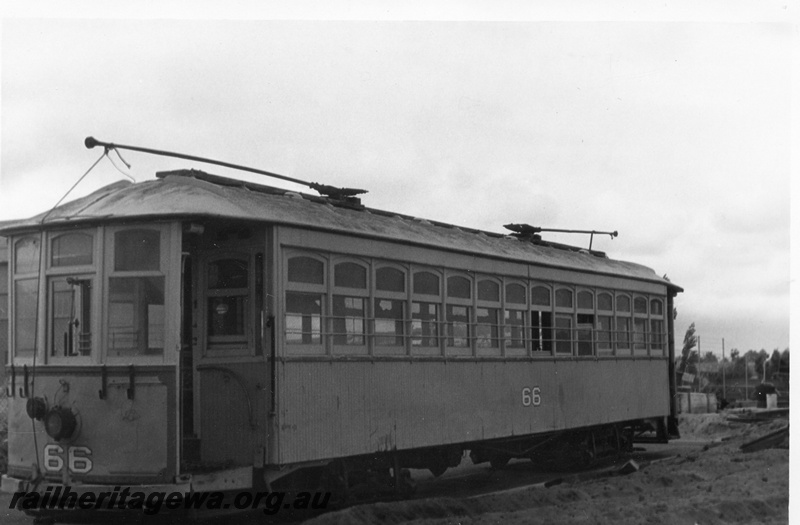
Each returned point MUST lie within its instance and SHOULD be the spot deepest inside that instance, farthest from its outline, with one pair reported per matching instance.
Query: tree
(689, 354)
(774, 365)
(709, 357)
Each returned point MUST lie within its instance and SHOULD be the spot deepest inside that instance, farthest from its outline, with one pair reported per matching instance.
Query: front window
(26, 293)
(25, 289)
(136, 313)
(135, 316)
(70, 290)
(70, 316)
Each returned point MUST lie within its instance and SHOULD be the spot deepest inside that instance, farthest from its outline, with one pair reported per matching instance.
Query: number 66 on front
(531, 396)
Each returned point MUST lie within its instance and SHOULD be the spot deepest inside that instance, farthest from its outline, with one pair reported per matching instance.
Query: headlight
(36, 408)
(60, 423)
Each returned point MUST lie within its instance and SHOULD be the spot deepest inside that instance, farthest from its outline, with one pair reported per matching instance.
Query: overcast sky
(675, 133)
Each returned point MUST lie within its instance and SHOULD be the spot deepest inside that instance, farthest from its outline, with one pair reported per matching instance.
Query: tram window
(350, 275)
(3, 310)
(563, 298)
(639, 336)
(605, 324)
(228, 301)
(656, 307)
(425, 314)
(459, 287)
(348, 320)
(604, 332)
(542, 332)
(640, 305)
(306, 270)
(350, 307)
(515, 294)
(605, 302)
(514, 332)
(136, 316)
(640, 325)
(487, 329)
(458, 317)
(458, 312)
(489, 291)
(72, 249)
(540, 296)
(70, 316)
(585, 329)
(426, 283)
(514, 320)
(656, 327)
(563, 334)
(389, 321)
(306, 309)
(303, 318)
(26, 293)
(424, 324)
(227, 274)
(26, 256)
(390, 279)
(657, 335)
(137, 250)
(390, 311)
(623, 323)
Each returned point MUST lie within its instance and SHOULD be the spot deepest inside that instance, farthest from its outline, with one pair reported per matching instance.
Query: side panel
(337, 408)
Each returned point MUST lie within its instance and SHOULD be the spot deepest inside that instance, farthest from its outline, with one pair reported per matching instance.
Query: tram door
(228, 371)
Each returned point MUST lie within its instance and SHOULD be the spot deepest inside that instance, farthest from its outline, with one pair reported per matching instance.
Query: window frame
(495, 350)
(306, 289)
(165, 271)
(450, 348)
(230, 345)
(657, 339)
(389, 295)
(344, 291)
(543, 329)
(605, 351)
(564, 313)
(584, 328)
(438, 301)
(17, 277)
(524, 308)
(623, 339)
(639, 342)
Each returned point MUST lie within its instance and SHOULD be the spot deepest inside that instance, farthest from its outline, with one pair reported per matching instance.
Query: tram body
(195, 333)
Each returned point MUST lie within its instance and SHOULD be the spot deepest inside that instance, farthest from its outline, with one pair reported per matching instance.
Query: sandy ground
(719, 484)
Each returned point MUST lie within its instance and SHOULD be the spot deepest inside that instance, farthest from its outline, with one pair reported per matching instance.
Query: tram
(196, 333)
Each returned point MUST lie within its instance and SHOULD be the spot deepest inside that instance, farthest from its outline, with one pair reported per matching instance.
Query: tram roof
(194, 193)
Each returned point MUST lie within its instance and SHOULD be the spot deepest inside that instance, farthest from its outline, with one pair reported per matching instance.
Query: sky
(672, 125)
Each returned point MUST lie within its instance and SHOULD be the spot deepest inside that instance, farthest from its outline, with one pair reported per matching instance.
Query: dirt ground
(718, 485)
